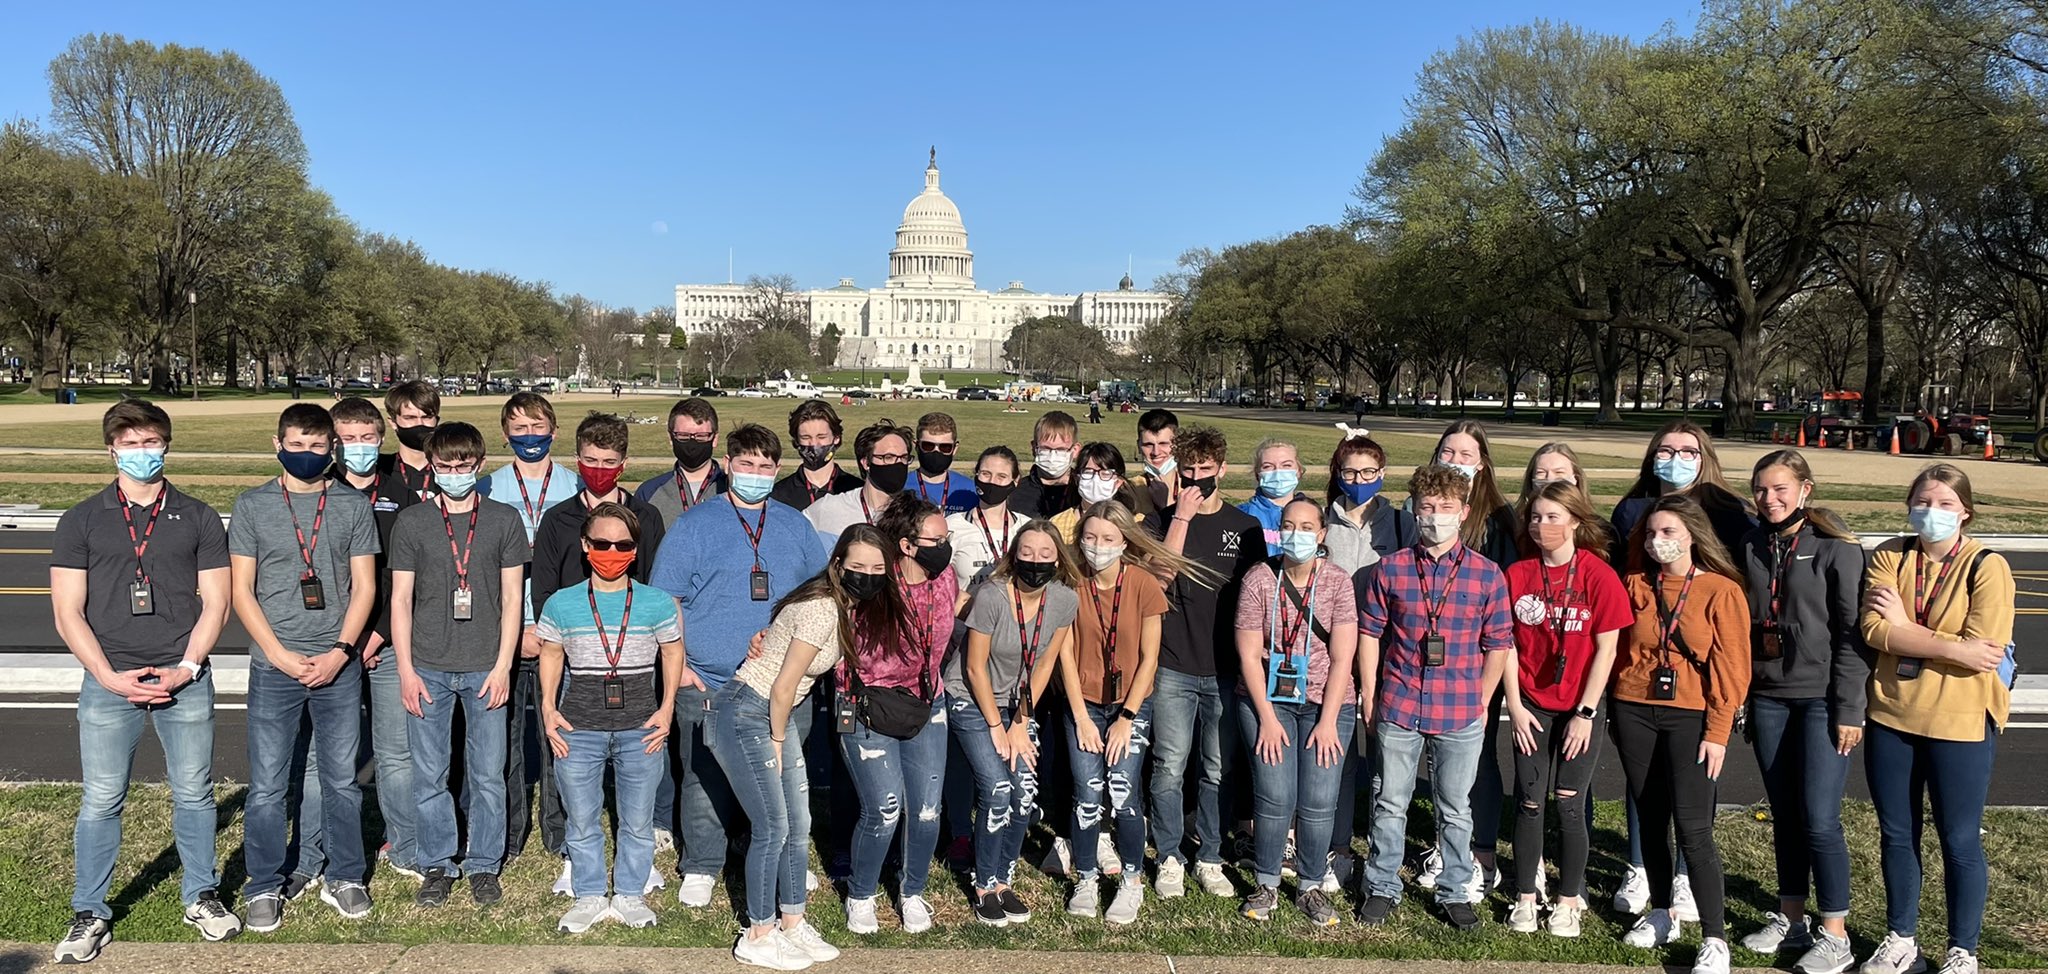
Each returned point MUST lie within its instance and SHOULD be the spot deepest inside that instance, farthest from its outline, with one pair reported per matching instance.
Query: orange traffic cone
(1823, 444)
(1802, 435)
(1849, 441)
(1895, 440)
(1988, 440)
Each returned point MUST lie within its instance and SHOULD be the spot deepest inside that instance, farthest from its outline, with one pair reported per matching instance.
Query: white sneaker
(860, 915)
(1959, 961)
(655, 881)
(772, 951)
(1564, 920)
(1483, 882)
(1712, 958)
(1106, 856)
(1896, 955)
(1779, 933)
(1172, 879)
(1655, 929)
(1209, 875)
(87, 937)
(810, 941)
(1087, 899)
(1683, 907)
(633, 911)
(1522, 916)
(1287, 870)
(214, 921)
(1342, 864)
(810, 881)
(1432, 869)
(664, 840)
(916, 913)
(585, 913)
(563, 885)
(1123, 908)
(695, 890)
(1634, 895)
(1059, 860)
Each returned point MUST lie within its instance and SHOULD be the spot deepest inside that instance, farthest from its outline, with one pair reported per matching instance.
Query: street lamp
(192, 366)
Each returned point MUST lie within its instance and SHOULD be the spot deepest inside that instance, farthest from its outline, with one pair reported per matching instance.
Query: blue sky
(619, 152)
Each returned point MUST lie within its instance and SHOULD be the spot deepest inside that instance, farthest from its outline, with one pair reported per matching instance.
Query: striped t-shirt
(566, 619)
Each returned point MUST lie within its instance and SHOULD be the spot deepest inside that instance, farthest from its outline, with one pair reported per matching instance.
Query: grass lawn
(35, 871)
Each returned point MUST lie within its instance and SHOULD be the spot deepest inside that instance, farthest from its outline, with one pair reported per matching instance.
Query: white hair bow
(1351, 433)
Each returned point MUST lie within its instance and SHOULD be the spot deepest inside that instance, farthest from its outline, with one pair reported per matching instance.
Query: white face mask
(1163, 470)
(1095, 490)
(1666, 550)
(1436, 529)
(1100, 557)
(1053, 463)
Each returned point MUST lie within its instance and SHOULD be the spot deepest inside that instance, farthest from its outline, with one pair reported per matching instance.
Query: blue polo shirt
(957, 494)
(706, 561)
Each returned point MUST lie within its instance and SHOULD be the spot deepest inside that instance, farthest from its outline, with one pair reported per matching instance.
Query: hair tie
(1350, 433)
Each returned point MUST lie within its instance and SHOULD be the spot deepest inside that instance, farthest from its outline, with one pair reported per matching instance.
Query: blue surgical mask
(142, 463)
(1679, 472)
(455, 485)
(1163, 470)
(1279, 484)
(751, 487)
(1470, 470)
(304, 464)
(1933, 524)
(359, 458)
(1361, 493)
(1299, 546)
(531, 446)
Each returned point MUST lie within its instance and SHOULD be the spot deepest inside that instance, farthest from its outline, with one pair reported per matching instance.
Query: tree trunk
(234, 369)
(1745, 364)
(1606, 370)
(1873, 362)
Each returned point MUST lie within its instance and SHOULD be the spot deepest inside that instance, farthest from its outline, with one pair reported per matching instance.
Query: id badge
(312, 595)
(462, 605)
(1433, 649)
(1909, 669)
(1664, 684)
(845, 713)
(1284, 683)
(1770, 642)
(614, 693)
(757, 585)
(140, 600)
(1557, 675)
(1113, 685)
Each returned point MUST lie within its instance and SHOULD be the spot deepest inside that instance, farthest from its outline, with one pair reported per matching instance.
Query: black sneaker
(297, 884)
(989, 910)
(484, 889)
(1462, 916)
(1375, 911)
(435, 888)
(1013, 906)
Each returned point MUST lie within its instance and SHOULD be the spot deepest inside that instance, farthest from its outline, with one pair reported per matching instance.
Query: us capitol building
(929, 310)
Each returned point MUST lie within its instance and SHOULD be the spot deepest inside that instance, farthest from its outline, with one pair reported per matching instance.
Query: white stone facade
(929, 309)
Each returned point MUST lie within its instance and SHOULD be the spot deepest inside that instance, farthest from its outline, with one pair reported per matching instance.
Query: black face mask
(935, 558)
(934, 463)
(1035, 575)
(415, 437)
(863, 586)
(817, 457)
(1208, 484)
(889, 478)
(691, 453)
(994, 493)
(1775, 527)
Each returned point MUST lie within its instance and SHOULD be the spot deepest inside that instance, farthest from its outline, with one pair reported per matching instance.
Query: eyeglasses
(1102, 475)
(693, 437)
(930, 447)
(888, 459)
(1683, 453)
(929, 542)
(601, 544)
(454, 467)
(1363, 476)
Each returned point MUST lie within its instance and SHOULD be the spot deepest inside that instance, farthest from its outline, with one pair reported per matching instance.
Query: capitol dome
(931, 243)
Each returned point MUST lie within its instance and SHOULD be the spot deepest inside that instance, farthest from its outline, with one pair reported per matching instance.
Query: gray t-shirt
(262, 528)
(991, 611)
(419, 544)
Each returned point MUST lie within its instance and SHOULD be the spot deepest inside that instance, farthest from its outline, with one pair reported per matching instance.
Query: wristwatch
(1126, 714)
(194, 668)
(1587, 712)
(347, 648)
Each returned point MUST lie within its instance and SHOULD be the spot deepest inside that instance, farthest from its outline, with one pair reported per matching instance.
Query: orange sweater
(1714, 626)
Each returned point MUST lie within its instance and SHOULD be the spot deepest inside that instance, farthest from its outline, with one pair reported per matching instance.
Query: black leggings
(1536, 777)
(1659, 749)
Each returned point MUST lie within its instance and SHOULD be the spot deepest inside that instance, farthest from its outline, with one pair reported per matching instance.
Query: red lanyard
(141, 544)
(1029, 648)
(1116, 608)
(943, 485)
(426, 476)
(461, 557)
(921, 620)
(1558, 612)
(1780, 564)
(1923, 599)
(611, 656)
(1667, 622)
(690, 498)
(830, 479)
(526, 502)
(865, 514)
(305, 549)
(994, 553)
(1305, 609)
(754, 533)
(1433, 606)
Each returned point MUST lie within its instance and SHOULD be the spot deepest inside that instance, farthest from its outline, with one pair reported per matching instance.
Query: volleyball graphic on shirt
(1532, 610)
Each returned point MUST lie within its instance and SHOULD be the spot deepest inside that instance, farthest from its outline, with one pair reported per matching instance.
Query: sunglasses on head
(601, 544)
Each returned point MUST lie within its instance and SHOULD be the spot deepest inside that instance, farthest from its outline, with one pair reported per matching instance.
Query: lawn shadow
(166, 863)
(19, 961)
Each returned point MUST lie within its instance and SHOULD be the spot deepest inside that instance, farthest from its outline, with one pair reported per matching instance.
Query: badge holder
(1114, 685)
(1433, 649)
(757, 585)
(614, 693)
(1769, 642)
(1285, 681)
(1909, 669)
(311, 594)
(845, 712)
(462, 605)
(1664, 684)
(140, 600)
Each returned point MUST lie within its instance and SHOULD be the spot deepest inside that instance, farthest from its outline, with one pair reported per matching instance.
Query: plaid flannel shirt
(1475, 621)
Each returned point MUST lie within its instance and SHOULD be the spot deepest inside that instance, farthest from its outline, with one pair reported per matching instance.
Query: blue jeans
(1184, 707)
(483, 761)
(1804, 776)
(579, 779)
(702, 795)
(1901, 768)
(277, 704)
(1355, 764)
(1005, 798)
(1454, 763)
(393, 761)
(774, 791)
(900, 783)
(1298, 792)
(1093, 776)
(109, 727)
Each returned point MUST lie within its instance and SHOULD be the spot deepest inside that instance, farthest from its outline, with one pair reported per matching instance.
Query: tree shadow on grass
(166, 863)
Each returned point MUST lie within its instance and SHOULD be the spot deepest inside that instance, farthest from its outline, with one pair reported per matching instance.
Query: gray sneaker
(84, 941)
(1087, 898)
(1779, 933)
(1259, 906)
(1315, 904)
(265, 911)
(212, 918)
(633, 911)
(1828, 955)
(351, 900)
(1123, 908)
(584, 914)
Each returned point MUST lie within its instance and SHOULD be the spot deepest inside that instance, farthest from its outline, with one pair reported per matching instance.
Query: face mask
(359, 458)
(1666, 550)
(817, 457)
(609, 565)
(1470, 470)
(531, 446)
(993, 494)
(1538, 483)
(1095, 490)
(889, 478)
(1361, 493)
(304, 464)
(691, 453)
(599, 481)
(1299, 546)
(752, 487)
(1435, 529)
(1550, 537)
(1053, 463)
(1933, 524)
(455, 485)
(1797, 515)
(1208, 484)
(1678, 472)
(1163, 470)
(1099, 557)
(1035, 575)
(935, 558)
(415, 437)
(862, 586)
(934, 463)
(1279, 484)
(141, 464)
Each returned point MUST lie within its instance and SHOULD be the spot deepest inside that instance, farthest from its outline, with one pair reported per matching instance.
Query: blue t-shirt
(556, 485)
(957, 494)
(706, 561)
(1268, 514)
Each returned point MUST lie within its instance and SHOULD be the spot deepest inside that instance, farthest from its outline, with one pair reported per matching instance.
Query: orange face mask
(1550, 537)
(609, 565)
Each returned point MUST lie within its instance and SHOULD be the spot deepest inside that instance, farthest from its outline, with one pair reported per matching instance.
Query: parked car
(859, 394)
(752, 392)
(705, 392)
(982, 393)
(359, 384)
(543, 386)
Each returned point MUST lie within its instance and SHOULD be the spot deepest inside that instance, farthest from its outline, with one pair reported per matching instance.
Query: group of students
(951, 652)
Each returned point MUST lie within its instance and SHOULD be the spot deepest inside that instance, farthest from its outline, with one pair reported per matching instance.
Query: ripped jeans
(892, 777)
(1005, 798)
(1122, 781)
